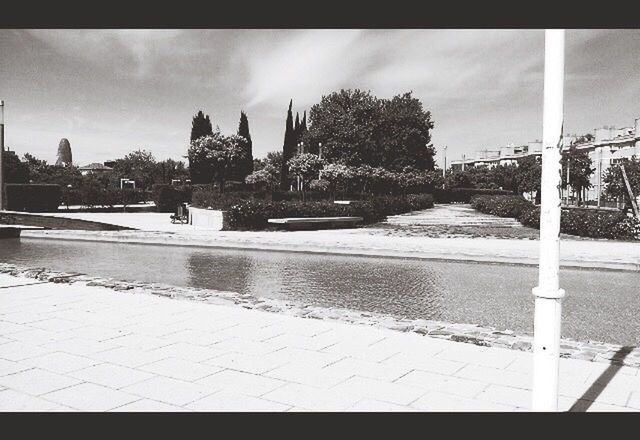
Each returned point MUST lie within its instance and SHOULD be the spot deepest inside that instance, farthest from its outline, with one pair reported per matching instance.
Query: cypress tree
(200, 126)
(246, 166)
(296, 127)
(288, 149)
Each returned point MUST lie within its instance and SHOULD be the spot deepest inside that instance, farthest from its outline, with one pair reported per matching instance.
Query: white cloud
(302, 67)
(129, 51)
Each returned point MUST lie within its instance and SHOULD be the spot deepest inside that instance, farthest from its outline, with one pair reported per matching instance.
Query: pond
(600, 305)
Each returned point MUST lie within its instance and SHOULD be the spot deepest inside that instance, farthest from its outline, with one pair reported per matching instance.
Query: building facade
(606, 146)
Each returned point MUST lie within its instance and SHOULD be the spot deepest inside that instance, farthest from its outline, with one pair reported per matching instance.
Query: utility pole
(548, 295)
(464, 157)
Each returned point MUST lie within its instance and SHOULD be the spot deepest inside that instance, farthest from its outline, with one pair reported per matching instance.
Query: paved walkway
(73, 347)
(145, 221)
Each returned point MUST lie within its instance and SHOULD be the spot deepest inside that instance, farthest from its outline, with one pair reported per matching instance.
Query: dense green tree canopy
(614, 182)
(528, 175)
(217, 156)
(200, 126)
(139, 165)
(13, 169)
(576, 166)
(357, 128)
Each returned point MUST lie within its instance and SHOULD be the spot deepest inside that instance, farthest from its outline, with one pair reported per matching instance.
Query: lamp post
(444, 169)
(1, 154)
(320, 156)
(600, 178)
(548, 295)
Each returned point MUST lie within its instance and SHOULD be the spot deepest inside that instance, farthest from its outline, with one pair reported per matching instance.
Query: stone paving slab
(302, 365)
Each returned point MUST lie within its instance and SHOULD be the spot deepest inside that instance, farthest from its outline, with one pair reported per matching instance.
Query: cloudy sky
(110, 92)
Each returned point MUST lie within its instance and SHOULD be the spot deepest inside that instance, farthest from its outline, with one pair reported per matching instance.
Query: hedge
(213, 199)
(168, 197)
(253, 214)
(581, 222)
(91, 196)
(32, 197)
(464, 195)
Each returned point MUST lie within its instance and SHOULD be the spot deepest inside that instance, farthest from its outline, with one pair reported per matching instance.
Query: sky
(114, 91)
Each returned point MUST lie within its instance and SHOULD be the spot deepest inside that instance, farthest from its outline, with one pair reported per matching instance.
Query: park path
(451, 214)
(451, 221)
(71, 347)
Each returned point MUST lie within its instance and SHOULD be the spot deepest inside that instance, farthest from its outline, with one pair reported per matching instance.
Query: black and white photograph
(319, 219)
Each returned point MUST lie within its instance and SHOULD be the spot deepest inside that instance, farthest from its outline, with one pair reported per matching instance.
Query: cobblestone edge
(468, 333)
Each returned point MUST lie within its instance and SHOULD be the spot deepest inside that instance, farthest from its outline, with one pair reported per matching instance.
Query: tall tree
(305, 166)
(200, 126)
(612, 178)
(13, 169)
(288, 149)
(528, 175)
(245, 167)
(579, 164)
(296, 126)
(357, 128)
(219, 155)
(139, 165)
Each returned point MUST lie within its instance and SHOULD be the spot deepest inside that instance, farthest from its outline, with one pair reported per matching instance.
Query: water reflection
(359, 283)
(600, 305)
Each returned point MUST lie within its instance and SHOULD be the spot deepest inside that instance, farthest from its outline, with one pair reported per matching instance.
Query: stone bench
(13, 231)
(297, 223)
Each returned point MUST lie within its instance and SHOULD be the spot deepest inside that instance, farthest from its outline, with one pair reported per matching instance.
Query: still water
(600, 304)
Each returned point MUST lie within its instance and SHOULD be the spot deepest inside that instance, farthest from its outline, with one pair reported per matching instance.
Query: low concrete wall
(49, 222)
(206, 218)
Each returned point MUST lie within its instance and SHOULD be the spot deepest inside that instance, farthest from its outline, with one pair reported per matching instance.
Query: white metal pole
(1, 154)
(548, 295)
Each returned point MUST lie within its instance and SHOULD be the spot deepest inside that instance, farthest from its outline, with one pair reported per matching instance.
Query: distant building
(96, 168)
(609, 146)
(606, 146)
(64, 153)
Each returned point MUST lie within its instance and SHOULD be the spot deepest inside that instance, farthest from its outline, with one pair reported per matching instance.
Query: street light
(548, 294)
(444, 169)
(320, 157)
(1, 154)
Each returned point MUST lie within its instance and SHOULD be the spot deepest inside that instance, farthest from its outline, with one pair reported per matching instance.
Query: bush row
(32, 197)
(581, 222)
(464, 195)
(92, 196)
(253, 214)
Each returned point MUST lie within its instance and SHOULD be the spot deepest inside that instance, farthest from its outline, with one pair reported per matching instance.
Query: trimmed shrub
(253, 214)
(32, 197)
(582, 222)
(598, 224)
(168, 197)
(92, 196)
(213, 199)
(464, 195)
(502, 206)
